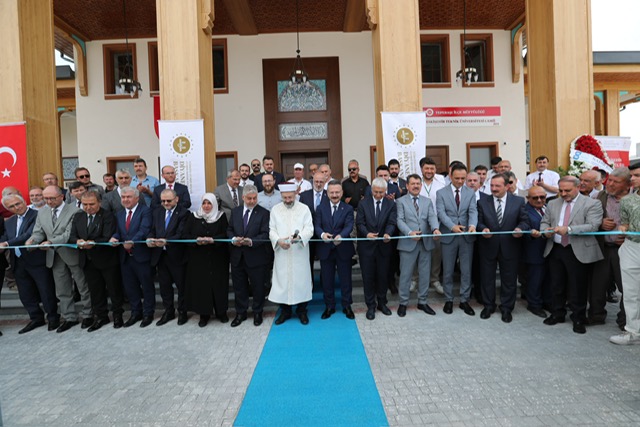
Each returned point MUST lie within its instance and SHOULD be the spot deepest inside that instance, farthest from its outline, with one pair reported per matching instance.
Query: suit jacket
(181, 190)
(101, 230)
(586, 216)
(15, 237)
(450, 215)
(175, 251)
(58, 233)
(514, 216)
(391, 190)
(277, 176)
(367, 222)
(401, 186)
(139, 229)
(533, 248)
(409, 221)
(259, 254)
(111, 201)
(308, 198)
(225, 199)
(340, 223)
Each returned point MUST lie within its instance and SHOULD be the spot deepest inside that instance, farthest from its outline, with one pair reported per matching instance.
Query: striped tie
(499, 211)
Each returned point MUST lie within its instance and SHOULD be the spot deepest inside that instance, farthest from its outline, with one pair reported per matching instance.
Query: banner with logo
(182, 146)
(617, 148)
(404, 137)
(463, 116)
(14, 166)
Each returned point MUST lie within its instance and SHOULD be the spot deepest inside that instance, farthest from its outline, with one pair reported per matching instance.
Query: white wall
(69, 134)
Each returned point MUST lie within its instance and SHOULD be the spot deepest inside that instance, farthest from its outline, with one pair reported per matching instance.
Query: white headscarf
(212, 216)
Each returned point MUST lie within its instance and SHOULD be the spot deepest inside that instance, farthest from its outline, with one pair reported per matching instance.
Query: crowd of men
(538, 232)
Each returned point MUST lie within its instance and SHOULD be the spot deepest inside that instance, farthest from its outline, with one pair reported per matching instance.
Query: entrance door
(303, 121)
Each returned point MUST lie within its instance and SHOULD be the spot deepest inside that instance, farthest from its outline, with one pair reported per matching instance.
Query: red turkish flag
(14, 168)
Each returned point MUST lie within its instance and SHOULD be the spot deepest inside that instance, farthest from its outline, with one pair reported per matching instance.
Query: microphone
(295, 234)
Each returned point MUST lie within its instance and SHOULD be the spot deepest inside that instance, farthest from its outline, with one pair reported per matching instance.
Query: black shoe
(371, 313)
(223, 318)
(448, 307)
(257, 319)
(349, 312)
(182, 317)
(327, 313)
(552, 320)
(117, 321)
(97, 324)
(146, 321)
(426, 309)
(538, 312)
(467, 309)
(486, 313)
(66, 326)
(304, 319)
(203, 321)
(402, 310)
(238, 320)
(282, 318)
(384, 309)
(87, 322)
(578, 327)
(593, 322)
(132, 321)
(166, 317)
(506, 316)
(31, 326)
(53, 325)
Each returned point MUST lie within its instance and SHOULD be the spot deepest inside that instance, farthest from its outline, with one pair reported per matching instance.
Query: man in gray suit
(569, 253)
(415, 216)
(111, 201)
(53, 226)
(457, 212)
(229, 195)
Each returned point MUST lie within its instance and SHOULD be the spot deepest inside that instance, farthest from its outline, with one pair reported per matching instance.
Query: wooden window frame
(227, 155)
(107, 69)
(491, 145)
(490, 66)
(443, 40)
(223, 43)
(154, 75)
(112, 161)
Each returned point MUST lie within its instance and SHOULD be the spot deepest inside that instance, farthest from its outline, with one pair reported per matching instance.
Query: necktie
(235, 197)
(128, 222)
(170, 186)
(540, 211)
(415, 205)
(564, 240)
(90, 221)
(377, 208)
(19, 222)
(54, 216)
(499, 211)
(457, 198)
(79, 204)
(245, 219)
(318, 195)
(167, 219)
(335, 207)
(540, 176)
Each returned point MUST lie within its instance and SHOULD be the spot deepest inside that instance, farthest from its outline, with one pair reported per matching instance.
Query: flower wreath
(586, 154)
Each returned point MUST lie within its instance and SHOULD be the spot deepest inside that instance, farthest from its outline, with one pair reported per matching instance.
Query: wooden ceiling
(103, 19)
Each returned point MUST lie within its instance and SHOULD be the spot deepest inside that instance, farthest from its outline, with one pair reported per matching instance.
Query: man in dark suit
(268, 165)
(313, 198)
(169, 258)
(111, 201)
(376, 218)
(537, 266)
(34, 279)
(100, 263)
(250, 255)
(182, 191)
(502, 212)
(395, 180)
(133, 223)
(333, 222)
(229, 194)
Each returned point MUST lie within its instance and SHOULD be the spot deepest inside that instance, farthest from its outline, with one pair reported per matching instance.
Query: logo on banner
(7, 172)
(181, 144)
(405, 135)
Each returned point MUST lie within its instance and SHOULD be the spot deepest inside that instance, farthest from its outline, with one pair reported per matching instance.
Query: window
(434, 52)
(479, 55)
(154, 76)
(115, 59)
(219, 54)
(225, 161)
(114, 164)
(481, 153)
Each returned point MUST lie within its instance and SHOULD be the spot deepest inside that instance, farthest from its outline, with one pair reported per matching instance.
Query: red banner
(14, 169)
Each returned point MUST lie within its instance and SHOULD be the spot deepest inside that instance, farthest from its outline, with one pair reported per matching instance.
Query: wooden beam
(355, 16)
(519, 20)
(69, 29)
(68, 103)
(616, 68)
(602, 86)
(241, 16)
(66, 84)
(516, 55)
(612, 112)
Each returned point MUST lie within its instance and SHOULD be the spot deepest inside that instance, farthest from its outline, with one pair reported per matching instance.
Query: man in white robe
(290, 228)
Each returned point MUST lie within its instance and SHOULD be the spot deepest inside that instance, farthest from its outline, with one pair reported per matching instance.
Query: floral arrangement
(586, 154)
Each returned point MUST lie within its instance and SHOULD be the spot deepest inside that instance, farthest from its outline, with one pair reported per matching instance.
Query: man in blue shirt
(142, 182)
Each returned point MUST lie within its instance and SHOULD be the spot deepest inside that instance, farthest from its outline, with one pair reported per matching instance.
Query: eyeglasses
(353, 169)
(51, 198)
(538, 197)
(255, 164)
(167, 200)
(510, 182)
(84, 176)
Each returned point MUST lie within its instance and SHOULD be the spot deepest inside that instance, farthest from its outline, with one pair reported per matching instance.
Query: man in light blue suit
(457, 212)
(415, 216)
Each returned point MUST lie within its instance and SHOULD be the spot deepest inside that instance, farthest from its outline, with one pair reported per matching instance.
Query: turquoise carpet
(313, 375)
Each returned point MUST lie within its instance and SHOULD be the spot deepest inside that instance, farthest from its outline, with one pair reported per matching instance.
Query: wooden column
(560, 67)
(612, 112)
(396, 59)
(185, 67)
(28, 81)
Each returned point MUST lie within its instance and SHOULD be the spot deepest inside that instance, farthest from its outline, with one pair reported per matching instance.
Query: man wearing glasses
(169, 176)
(84, 177)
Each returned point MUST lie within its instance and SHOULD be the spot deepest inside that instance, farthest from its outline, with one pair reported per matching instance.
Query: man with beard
(268, 164)
(36, 198)
(245, 171)
(394, 179)
(269, 196)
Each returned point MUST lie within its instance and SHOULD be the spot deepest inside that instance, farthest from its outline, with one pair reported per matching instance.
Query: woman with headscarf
(207, 289)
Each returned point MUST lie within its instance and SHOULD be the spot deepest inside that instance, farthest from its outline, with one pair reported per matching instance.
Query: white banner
(182, 146)
(404, 136)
